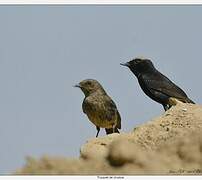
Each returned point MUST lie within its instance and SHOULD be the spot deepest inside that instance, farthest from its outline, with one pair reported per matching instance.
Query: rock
(169, 144)
(97, 147)
(119, 155)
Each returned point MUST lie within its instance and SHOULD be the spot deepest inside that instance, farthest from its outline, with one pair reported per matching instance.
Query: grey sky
(45, 50)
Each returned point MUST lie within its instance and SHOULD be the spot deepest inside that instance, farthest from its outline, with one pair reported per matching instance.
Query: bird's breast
(98, 120)
(147, 89)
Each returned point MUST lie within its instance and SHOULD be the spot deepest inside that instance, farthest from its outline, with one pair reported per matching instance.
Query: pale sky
(45, 50)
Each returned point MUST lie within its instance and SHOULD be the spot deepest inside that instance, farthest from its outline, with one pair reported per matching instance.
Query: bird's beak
(125, 64)
(77, 85)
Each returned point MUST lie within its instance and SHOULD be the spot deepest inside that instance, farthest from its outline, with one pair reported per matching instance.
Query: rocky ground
(169, 144)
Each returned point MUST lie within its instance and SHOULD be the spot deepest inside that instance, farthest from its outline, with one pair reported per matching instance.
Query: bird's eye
(138, 60)
(88, 83)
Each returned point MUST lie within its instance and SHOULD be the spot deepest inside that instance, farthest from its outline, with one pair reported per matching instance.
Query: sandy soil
(169, 144)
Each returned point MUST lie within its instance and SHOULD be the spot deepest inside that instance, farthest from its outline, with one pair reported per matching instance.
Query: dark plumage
(154, 84)
(99, 107)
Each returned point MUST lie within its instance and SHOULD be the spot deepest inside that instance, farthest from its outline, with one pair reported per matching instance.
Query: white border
(103, 177)
(100, 2)
(188, 2)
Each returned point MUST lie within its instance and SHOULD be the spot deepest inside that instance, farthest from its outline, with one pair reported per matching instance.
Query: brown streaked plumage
(99, 107)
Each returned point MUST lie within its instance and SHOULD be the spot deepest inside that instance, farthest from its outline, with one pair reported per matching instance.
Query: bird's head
(89, 86)
(139, 65)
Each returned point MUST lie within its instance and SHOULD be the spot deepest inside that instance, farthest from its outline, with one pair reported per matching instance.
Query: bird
(99, 107)
(154, 84)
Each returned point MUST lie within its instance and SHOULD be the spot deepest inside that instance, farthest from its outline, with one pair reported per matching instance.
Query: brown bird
(99, 107)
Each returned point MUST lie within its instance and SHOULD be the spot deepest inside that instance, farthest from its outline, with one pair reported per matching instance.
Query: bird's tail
(190, 101)
(174, 101)
(110, 131)
(187, 100)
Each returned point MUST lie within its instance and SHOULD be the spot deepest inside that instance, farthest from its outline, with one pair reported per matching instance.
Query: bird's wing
(118, 120)
(111, 111)
(165, 86)
(103, 106)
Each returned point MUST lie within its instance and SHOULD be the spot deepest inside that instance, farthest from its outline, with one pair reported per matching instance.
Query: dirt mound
(171, 143)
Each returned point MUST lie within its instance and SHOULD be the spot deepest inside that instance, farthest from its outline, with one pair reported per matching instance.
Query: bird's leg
(115, 124)
(166, 107)
(98, 130)
(114, 127)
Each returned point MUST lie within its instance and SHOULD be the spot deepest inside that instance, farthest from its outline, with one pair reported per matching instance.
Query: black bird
(154, 84)
(99, 107)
